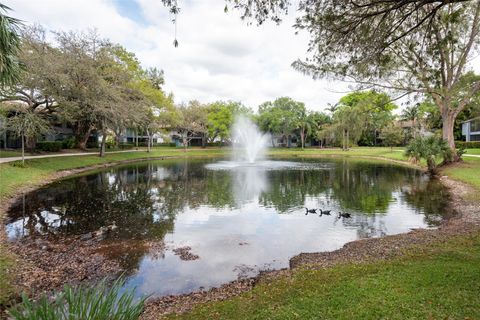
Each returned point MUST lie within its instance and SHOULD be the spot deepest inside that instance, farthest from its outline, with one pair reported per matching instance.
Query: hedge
(125, 146)
(467, 145)
(49, 146)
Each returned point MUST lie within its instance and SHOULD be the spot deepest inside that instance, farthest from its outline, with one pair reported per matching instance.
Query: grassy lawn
(439, 282)
(473, 151)
(468, 171)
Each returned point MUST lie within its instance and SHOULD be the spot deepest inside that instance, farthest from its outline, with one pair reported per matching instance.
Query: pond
(237, 220)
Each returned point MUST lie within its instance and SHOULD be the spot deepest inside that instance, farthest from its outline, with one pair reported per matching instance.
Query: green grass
(473, 151)
(9, 154)
(468, 171)
(436, 282)
(6, 287)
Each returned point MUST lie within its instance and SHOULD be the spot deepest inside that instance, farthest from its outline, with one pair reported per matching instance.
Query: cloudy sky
(219, 56)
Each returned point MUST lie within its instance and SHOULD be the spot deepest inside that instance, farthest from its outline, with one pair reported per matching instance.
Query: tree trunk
(117, 138)
(185, 144)
(148, 140)
(302, 138)
(102, 145)
(136, 139)
(82, 133)
(413, 128)
(348, 140)
(30, 143)
(82, 142)
(23, 149)
(204, 144)
(448, 122)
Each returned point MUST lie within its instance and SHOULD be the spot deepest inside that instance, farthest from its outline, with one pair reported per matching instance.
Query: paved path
(11, 159)
(464, 155)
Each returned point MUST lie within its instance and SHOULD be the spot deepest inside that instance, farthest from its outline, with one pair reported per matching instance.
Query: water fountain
(249, 150)
(249, 144)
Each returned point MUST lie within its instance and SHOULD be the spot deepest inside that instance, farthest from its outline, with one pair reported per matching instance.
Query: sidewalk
(11, 159)
(464, 155)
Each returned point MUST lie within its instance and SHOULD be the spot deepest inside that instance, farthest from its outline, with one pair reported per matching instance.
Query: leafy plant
(391, 136)
(69, 143)
(49, 146)
(429, 148)
(89, 303)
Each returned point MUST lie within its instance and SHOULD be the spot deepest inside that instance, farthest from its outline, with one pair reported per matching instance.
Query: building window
(475, 125)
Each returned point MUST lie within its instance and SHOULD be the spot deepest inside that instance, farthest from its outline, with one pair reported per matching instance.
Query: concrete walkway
(464, 155)
(11, 159)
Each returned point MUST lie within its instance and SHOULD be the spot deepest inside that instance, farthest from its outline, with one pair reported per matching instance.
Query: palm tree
(9, 47)
(411, 113)
(429, 148)
(304, 124)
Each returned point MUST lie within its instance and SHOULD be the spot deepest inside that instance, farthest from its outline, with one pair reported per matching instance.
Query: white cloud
(219, 57)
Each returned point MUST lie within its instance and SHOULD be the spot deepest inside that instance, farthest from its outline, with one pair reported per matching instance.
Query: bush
(69, 143)
(92, 144)
(126, 146)
(98, 302)
(215, 144)
(467, 145)
(49, 146)
(429, 148)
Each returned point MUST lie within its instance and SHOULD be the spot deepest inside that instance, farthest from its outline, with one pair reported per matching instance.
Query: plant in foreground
(430, 149)
(87, 303)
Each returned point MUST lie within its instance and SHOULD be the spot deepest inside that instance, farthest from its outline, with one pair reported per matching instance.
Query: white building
(471, 129)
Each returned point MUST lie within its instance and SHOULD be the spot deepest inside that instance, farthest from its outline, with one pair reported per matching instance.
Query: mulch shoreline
(29, 256)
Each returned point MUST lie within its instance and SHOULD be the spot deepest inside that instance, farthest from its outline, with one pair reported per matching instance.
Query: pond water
(237, 219)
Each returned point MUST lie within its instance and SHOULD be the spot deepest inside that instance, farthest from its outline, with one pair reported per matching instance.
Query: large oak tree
(422, 47)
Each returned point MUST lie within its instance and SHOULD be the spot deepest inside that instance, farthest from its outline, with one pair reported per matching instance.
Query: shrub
(69, 143)
(49, 146)
(467, 145)
(126, 146)
(215, 144)
(430, 149)
(92, 144)
(97, 302)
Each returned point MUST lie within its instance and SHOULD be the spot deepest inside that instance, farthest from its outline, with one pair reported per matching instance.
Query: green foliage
(27, 124)
(372, 111)
(282, 116)
(49, 146)
(98, 302)
(468, 145)
(69, 143)
(9, 48)
(221, 116)
(429, 148)
(126, 146)
(391, 136)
